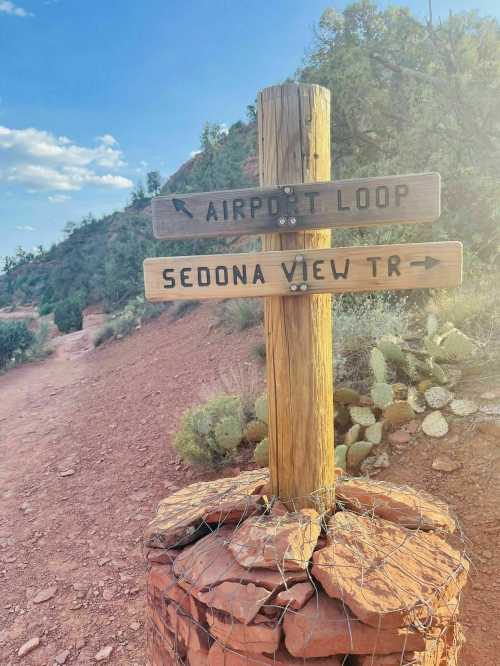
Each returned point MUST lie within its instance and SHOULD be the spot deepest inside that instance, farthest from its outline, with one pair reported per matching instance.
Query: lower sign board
(285, 272)
(342, 203)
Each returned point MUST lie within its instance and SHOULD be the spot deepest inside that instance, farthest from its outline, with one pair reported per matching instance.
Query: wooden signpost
(364, 268)
(295, 208)
(345, 203)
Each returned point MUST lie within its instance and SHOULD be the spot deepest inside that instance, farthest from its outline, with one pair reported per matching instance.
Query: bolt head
(303, 287)
(292, 221)
(299, 258)
(288, 189)
(293, 287)
(282, 221)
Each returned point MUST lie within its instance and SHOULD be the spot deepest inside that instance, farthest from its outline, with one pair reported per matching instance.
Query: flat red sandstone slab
(325, 627)
(251, 638)
(403, 506)
(242, 602)
(218, 656)
(180, 516)
(209, 562)
(296, 596)
(387, 575)
(282, 542)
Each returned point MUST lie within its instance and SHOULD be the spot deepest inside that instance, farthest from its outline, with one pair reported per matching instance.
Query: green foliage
(261, 408)
(411, 96)
(210, 433)
(378, 365)
(137, 311)
(68, 316)
(261, 453)
(255, 430)
(15, 340)
(153, 180)
(240, 313)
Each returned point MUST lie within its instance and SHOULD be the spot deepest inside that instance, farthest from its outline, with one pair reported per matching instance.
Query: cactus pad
(261, 453)
(373, 433)
(341, 456)
(435, 425)
(378, 365)
(362, 415)
(261, 408)
(391, 350)
(346, 396)
(358, 452)
(255, 431)
(352, 434)
(398, 413)
(228, 433)
(437, 397)
(382, 395)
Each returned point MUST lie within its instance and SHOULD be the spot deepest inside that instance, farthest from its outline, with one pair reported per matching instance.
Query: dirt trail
(85, 457)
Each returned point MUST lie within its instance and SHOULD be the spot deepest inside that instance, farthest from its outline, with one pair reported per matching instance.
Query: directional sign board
(343, 203)
(362, 268)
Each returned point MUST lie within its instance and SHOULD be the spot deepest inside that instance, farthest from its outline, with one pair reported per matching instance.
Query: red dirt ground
(108, 415)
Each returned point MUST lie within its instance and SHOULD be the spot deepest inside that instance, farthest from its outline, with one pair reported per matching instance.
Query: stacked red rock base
(237, 580)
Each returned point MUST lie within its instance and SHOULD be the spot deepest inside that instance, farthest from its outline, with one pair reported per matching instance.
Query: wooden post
(294, 147)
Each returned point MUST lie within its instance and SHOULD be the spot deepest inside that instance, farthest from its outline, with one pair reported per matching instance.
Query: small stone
(241, 602)
(412, 427)
(463, 407)
(45, 595)
(102, 561)
(135, 626)
(435, 425)
(108, 593)
(67, 472)
(437, 397)
(399, 437)
(28, 647)
(296, 596)
(104, 654)
(490, 410)
(381, 461)
(490, 429)
(445, 464)
(62, 657)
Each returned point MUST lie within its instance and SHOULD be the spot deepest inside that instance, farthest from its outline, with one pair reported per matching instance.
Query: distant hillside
(100, 260)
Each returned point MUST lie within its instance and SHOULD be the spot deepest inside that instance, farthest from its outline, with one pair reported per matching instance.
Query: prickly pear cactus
(382, 395)
(228, 433)
(373, 433)
(346, 396)
(255, 431)
(362, 415)
(358, 452)
(261, 408)
(398, 413)
(456, 346)
(378, 365)
(261, 453)
(341, 456)
(352, 435)
(391, 350)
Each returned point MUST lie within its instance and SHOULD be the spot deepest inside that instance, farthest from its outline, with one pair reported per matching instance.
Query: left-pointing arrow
(180, 207)
(429, 262)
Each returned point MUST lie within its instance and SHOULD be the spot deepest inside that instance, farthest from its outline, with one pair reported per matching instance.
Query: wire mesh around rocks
(235, 578)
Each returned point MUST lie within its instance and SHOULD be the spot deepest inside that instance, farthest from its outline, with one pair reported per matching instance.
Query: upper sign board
(285, 272)
(342, 203)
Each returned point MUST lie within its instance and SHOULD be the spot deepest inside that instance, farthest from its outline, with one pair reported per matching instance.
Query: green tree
(414, 96)
(153, 180)
(68, 316)
(15, 339)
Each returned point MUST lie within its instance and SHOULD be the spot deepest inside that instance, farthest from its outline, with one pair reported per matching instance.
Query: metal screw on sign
(294, 288)
(299, 258)
(303, 286)
(292, 221)
(282, 222)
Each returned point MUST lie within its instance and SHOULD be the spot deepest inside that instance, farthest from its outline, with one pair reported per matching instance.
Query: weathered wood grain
(294, 147)
(286, 272)
(344, 203)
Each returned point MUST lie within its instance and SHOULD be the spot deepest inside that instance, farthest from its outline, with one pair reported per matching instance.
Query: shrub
(359, 321)
(181, 308)
(15, 340)
(241, 313)
(105, 333)
(259, 351)
(68, 316)
(210, 433)
(45, 309)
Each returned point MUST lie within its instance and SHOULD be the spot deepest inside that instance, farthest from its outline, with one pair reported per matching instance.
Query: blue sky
(95, 94)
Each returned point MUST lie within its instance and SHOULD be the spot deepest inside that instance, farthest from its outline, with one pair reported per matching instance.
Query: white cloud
(9, 7)
(40, 160)
(107, 140)
(26, 227)
(58, 198)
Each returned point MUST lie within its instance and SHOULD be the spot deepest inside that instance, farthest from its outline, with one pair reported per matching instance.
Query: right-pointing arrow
(429, 262)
